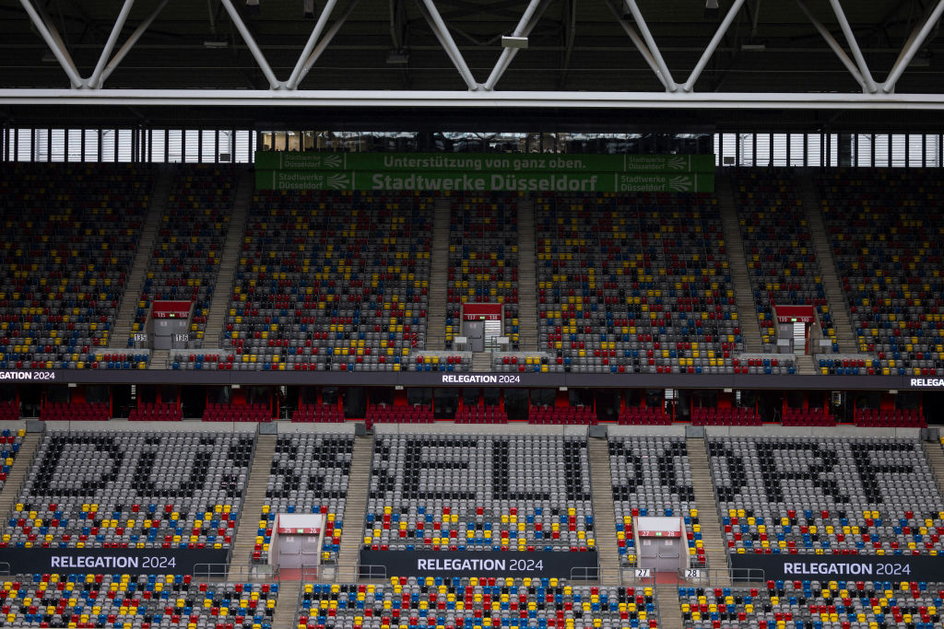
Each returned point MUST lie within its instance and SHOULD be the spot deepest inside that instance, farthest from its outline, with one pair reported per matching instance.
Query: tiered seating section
(891, 417)
(329, 413)
(331, 281)
(563, 415)
(309, 474)
(652, 476)
(841, 604)
(483, 259)
(731, 416)
(778, 245)
(479, 492)
(643, 416)
(150, 601)
(156, 412)
(634, 284)
(186, 256)
(831, 496)
(889, 252)
(75, 411)
(62, 277)
(140, 490)
(254, 412)
(399, 414)
(480, 414)
(476, 602)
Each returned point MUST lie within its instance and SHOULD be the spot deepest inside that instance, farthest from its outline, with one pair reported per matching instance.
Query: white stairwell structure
(527, 282)
(744, 294)
(438, 277)
(355, 509)
(142, 258)
(229, 260)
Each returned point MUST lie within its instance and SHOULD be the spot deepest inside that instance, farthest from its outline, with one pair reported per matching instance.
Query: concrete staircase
(481, 362)
(604, 530)
(438, 277)
(670, 611)
(527, 281)
(160, 359)
(229, 260)
(355, 509)
(142, 257)
(935, 456)
(19, 472)
(251, 510)
(286, 609)
(715, 549)
(744, 295)
(838, 306)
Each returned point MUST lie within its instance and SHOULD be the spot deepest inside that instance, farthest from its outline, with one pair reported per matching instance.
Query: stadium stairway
(251, 510)
(438, 278)
(604, 530)
(142, 257)
(355, 509)
(19, 471)
(286, 609)
(744, 295)
(838, 307)
(703, 486)
(668, 606)
(935, 453)
(527, 282)
(229, 260)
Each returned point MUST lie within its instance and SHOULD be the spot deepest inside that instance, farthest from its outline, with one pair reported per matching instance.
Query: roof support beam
(110, 43)
(870, 85)
(638, 42)
(257, 53)
(525, 25)
(915, 41)
(297, 75)
(651, 47)
(126, 47)
(712, 45)
(836, 47)
(55, 43)
(495, 100)
(322, 44)
(449, 44)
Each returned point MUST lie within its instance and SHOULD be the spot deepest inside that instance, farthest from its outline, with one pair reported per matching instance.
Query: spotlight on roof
(510, 41)
(711, 8)
(308, 8)
(252, 7)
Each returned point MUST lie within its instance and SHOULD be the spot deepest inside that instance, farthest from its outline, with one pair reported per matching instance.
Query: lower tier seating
(479, 492)
(652, 476)
(815, 605)
(132, 489)
(872, 496)
(309, 474)
(142, 602)
(472, 602)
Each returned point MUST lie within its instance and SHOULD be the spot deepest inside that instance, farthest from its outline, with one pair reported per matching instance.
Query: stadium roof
(441, 63)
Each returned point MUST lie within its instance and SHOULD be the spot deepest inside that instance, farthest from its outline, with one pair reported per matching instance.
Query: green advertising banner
(485, 163)
(486, 182)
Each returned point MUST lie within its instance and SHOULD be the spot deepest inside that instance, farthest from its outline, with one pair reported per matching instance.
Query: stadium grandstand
(438, 314)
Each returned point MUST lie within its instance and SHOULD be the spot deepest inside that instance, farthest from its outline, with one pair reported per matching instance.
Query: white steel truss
(91, 90)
